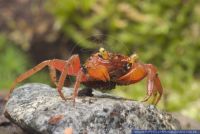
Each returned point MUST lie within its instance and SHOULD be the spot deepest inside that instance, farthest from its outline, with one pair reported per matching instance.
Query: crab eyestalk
(103, 53)
(134, 58)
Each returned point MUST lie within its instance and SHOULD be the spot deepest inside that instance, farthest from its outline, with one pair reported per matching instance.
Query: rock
(186, 122)
(37, 108)
(6, 126)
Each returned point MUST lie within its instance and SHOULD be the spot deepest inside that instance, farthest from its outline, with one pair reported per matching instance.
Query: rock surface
(37, 108)
(6, 126)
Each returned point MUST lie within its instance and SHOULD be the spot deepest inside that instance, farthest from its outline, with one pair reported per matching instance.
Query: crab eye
(84, 69)
(128, 66)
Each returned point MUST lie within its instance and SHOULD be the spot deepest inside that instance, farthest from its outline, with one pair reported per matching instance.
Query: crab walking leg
(79, 78)
(22, 77)
(28, 74)
(61, 80)
(71, 67)
(52, 72)
(57, 64)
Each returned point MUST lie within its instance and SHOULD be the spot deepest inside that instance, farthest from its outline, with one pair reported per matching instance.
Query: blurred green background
(164, 33)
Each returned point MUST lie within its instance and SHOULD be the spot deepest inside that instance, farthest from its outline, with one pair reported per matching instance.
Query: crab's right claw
(154, 87)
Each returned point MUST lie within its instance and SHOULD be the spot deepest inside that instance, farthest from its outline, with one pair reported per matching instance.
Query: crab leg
(52, 72)
(28, 74)
(61, 80)
(79, 78)
(69, 67)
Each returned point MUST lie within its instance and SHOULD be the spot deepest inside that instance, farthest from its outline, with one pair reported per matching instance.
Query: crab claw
(154, 87)
(137, 73)
(101, 74)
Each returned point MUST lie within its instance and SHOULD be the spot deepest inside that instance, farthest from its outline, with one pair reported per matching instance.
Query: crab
(102, 70)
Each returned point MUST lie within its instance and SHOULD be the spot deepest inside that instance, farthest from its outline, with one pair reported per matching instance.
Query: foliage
(10, 66)
(163, 33)
(13, 61)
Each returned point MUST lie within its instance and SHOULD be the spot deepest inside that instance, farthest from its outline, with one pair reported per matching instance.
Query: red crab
(101, 70)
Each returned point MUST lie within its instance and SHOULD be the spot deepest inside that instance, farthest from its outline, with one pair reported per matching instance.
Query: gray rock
(37, 108)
